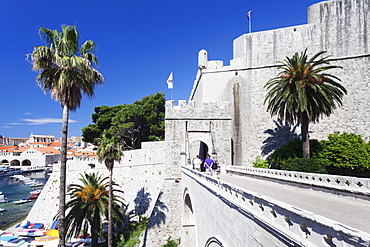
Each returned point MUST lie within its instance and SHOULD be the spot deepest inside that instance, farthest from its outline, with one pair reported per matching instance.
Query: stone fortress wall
(241, 129)
(140, 175)
(339, 27)
(187, 124)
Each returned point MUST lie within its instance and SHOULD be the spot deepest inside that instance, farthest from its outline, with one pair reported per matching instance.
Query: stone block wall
(338, 27)
(186, 123)
(140, 175)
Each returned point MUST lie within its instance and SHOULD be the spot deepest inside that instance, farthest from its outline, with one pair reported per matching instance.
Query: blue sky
(140, 43)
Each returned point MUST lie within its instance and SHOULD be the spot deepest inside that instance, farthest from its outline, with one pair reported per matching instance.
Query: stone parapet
(201, 110)
(247, 218)
(352, 185)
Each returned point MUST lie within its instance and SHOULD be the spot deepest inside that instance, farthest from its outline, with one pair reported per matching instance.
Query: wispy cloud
(27, 113)
(7, 127)
(41, 121)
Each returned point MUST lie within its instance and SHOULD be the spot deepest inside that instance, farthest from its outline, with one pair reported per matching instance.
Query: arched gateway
(190, 130)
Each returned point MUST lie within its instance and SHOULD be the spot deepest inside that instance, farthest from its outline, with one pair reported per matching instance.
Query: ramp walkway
(347, 210)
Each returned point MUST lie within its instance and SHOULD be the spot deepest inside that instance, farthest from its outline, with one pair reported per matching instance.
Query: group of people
(208, 165)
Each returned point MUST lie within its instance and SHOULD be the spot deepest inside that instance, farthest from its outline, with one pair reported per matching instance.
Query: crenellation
(206, 109)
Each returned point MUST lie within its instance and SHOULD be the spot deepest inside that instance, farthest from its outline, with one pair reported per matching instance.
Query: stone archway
(198, 148)
(213, 242)
(188, 222)
(15, 163)
(5, 162)
(26, 163)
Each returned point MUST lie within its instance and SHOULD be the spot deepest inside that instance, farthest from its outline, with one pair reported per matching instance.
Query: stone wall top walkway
(348, 211)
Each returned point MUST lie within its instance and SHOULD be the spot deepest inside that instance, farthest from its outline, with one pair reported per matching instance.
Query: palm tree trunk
(110, 223)
(63, 172)
(94, 232)
(305, 136)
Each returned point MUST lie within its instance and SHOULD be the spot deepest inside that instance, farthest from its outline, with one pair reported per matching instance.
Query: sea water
(14, 190)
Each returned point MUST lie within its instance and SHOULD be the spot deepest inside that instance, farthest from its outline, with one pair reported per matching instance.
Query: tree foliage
(304, 165)
(260, 162)
(303, 92)
(291, 150)
(89, 204)
(67, 72)
(134, 123)
(341, 154)
(345, 151)
(109, 151)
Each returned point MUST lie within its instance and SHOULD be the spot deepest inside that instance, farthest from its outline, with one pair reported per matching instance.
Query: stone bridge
(262, 207)
(244, 206)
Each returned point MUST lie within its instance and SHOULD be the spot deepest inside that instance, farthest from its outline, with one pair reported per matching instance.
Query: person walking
(214, 168)
(196, 163)
(208, 164)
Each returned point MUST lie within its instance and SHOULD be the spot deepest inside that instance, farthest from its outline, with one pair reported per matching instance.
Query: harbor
(17, 195)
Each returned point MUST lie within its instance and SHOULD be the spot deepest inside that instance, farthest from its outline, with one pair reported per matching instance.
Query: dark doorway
(203, 151)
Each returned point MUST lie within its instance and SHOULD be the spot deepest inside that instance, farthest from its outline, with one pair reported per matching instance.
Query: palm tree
(66, 71)
(109, 151)
(88, 204)
(303, 92)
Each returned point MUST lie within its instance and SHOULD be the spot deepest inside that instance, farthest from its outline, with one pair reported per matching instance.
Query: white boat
(7, 239)
(36, 184)
(31, 232)
(3, 198)
(2, 210)
(21, 201)
(35, 192)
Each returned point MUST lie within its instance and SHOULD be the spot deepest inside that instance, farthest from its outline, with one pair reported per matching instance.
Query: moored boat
(35, 192)
(3, 198)
(31, 232)
(21, 201)
(35, 184)
(8, 239)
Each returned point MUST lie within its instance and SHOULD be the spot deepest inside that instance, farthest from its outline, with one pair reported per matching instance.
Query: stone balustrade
(273, 220)
(355, 185)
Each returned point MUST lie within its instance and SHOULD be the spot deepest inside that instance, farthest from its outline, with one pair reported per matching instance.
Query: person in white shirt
(196, 163)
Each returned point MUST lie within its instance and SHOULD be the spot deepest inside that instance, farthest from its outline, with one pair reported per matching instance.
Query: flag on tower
(249, 20)
(170, 81)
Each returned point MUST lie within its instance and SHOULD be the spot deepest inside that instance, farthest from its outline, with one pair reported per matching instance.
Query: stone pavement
(348, 210)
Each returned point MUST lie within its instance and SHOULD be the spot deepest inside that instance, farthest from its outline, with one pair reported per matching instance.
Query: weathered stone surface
(339, 27)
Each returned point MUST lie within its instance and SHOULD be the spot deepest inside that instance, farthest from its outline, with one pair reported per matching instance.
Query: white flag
(170, 81)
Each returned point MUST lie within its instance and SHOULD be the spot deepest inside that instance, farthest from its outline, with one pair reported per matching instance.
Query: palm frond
(304, 86)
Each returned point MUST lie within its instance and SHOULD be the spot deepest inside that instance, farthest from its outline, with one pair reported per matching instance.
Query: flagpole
(250, 25)
(170, 83)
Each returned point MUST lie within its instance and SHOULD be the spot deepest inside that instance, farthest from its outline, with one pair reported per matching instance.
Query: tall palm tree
(88, 204)
(110, 150)
(303, 92)
(66, 71)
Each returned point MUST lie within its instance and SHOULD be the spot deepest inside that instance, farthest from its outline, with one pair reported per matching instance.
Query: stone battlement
(202, 110)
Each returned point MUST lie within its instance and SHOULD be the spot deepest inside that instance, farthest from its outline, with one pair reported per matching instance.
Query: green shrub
(171, 243)
(304, 165)
(345, 154)
(260, 163)
(291, 150)
(130, 236)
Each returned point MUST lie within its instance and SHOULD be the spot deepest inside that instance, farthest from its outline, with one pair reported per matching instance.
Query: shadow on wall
(157, 217)
(278, 136)
(142, 203)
